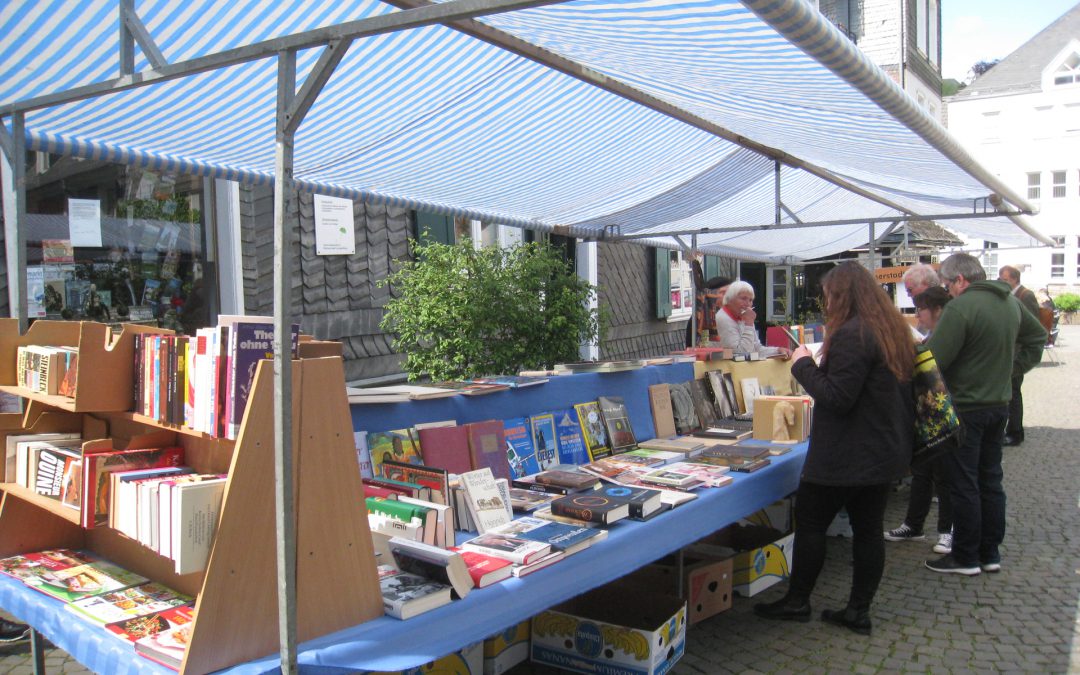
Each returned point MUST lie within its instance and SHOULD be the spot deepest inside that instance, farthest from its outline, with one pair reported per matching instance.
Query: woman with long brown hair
(860, 442)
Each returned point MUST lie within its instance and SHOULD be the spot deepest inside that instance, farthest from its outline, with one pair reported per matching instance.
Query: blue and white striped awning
(437, 119)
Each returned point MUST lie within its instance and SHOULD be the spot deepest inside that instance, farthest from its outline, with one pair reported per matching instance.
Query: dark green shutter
(663, 283)
(434, 227)
(712, 267)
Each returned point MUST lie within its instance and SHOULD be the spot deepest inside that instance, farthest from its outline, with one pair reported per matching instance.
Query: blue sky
(983, 30)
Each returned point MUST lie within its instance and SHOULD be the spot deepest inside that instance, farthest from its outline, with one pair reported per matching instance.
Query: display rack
(236, 606)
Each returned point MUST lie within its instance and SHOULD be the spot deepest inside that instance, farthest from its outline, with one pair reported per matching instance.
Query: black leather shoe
(1013, 439)
(784, 610)
(11, 632)
(850, 618)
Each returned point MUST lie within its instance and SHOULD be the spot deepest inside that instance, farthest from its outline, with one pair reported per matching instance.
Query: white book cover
(515, 549)
(485, 501)
(195, 511)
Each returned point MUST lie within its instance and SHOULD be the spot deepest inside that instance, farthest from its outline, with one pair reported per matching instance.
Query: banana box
(505, 650)
(776, 515)
(706, 583)
(761, 556)
(612, 632)
(466, 661)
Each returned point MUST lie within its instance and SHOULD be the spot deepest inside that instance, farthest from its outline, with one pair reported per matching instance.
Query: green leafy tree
(462, 312)
(1067, 302)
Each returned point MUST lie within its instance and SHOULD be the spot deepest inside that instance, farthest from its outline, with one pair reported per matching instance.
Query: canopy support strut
(13, 172)
(133, 30)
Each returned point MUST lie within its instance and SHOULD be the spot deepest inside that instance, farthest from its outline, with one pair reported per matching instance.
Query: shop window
(675, 283)
(990, 259)
(778, 293)
(116, 244)
(1057, 265)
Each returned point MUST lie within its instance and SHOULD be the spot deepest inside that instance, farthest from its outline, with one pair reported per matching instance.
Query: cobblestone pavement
(1022, 620)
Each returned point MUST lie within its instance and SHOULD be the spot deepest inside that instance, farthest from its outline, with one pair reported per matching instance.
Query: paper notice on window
(35, 291)
(84, 221)
(335, 230)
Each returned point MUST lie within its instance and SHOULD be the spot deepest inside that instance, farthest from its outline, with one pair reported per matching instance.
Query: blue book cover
(568, 436)
(547, 450)
(520, 450)
(560, 536)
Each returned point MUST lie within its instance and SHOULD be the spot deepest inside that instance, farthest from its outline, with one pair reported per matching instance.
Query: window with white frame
(1034, 181)
(779, 292)
(1057, 265)
(1059, 240)
(922, 26)
(990, 259)
(1059, 183)
(682, 286)
(1069, 71)
(991, 123)
(1078, 265)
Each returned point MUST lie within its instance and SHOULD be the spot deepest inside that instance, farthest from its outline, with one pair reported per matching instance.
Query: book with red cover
(98, 465)
(485, 569)
(139, 627)
(446, 448)
(487, 447)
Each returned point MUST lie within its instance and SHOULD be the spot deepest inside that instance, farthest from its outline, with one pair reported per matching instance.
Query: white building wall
(1018, 134)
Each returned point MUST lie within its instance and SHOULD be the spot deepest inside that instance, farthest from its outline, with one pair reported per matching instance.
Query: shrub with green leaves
(1067, 302)
(462, 312)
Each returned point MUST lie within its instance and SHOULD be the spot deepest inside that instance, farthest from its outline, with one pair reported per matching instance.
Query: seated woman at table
(860, 443)
(735, 320)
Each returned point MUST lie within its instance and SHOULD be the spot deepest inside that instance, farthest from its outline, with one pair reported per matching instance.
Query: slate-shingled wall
(334, 297)
(627, 281)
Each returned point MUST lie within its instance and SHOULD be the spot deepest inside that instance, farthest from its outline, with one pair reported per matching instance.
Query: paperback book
(617, 423)
(515, 549)
(406, 595)
(432, 562)
(593, 431)
(82, 581)
(559, 536)
(545, 440)
(569, 438)
(520, 448)
(128, 603)
(136, 628)
(484, 500)
(400, 445)
(485, 570)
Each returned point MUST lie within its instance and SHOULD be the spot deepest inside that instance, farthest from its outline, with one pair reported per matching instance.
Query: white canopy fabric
(436, 119)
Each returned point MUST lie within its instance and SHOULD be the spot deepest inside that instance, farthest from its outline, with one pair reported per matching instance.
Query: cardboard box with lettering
(610, 631)
(706, 584)
(505, 650)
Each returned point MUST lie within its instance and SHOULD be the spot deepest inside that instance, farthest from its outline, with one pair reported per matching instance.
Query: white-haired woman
(735, 320)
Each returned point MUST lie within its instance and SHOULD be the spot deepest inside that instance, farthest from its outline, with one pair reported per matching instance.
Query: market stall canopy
(640, 118)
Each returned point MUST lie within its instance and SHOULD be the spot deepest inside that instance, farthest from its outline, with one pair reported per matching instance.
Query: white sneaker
(944, 543)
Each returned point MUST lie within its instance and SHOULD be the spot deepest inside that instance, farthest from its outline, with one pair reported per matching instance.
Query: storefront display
(115, 244)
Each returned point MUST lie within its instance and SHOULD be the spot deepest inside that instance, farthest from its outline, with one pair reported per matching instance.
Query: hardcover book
(431, 477)
(128, 603)
(10, 469)
(81, 581)
(568, 434)
(643, 501)
(166, 647)
(196, 507)
(574, 480)
(432, 562)
(671, 478)
(592, 507)
(660, 404)
(617, 423)
(400, 445)
(652, 456)
(487, 447)
(685, 445)
(446, 448)
(486, 570)
(515, 549)
(703, 403)
(135, 628)
(537, 564)
(485, 500)
(520, 448)
(525, 500)
(511, 381)
(250, 340)
(35, 565)
(406, 595)
(544, 438)
(710, 475)
(98, 466)
(559, 536)
(592, 430)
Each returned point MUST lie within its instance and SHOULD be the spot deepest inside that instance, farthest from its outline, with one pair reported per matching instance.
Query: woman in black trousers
(860, 442)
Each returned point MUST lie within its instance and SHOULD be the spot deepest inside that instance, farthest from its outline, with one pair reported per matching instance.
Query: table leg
(37, 651)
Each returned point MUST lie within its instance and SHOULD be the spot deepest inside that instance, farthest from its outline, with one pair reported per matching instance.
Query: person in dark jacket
(860, 442)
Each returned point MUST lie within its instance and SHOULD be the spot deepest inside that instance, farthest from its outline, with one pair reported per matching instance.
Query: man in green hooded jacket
(983, 337)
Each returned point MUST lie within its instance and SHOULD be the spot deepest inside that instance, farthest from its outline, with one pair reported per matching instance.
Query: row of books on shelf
(154, 619)
(203, 381)
(47, 369)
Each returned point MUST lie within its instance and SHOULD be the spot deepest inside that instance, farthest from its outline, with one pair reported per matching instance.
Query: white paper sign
(84, 221)
(335, 230)
(35, 291)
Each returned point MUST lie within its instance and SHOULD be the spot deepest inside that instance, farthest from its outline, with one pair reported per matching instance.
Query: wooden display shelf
(105, 368)
(236, 608)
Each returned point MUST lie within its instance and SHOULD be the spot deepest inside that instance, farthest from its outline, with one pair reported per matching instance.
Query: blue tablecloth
(390, 644)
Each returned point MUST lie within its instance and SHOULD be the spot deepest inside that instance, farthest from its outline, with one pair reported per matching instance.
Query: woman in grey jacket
(860, 442)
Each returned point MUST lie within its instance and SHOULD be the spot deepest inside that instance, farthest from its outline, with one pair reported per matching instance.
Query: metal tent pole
(13, 170)
(284, 196)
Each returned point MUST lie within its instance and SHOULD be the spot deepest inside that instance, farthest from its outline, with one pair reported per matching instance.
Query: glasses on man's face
(947, 283)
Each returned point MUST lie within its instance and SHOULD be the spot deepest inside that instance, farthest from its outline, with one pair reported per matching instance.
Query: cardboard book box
(777, 515)
(505, 650)
(613, 632)
(761, 556)
(706, 583)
